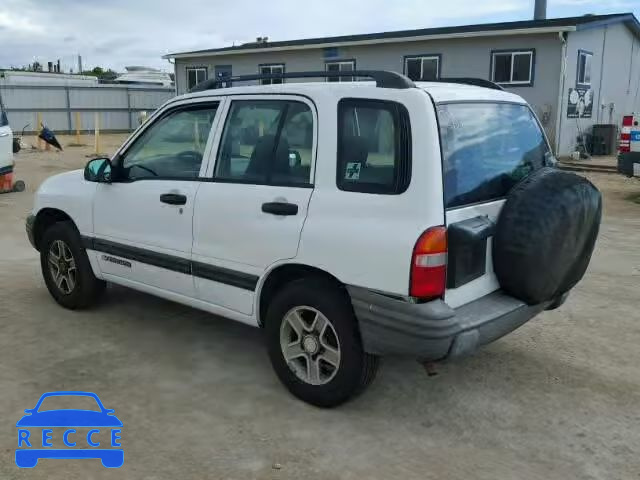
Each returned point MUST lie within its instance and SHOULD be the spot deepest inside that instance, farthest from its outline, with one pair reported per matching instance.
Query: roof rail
(476, 82)
(383, 78)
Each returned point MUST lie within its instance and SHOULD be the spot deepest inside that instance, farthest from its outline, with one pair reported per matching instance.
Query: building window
(271, 69)
(422, 67)
(584, 68)
(195, 75)
(340, 66)
(513, 68)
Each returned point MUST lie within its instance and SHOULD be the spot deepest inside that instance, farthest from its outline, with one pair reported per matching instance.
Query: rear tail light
(625, 142)
(627, 120)
(429, 264)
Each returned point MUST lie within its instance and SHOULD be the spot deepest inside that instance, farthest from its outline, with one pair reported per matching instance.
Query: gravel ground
(558, 398)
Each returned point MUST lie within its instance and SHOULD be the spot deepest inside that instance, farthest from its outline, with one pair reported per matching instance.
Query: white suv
(349, 220)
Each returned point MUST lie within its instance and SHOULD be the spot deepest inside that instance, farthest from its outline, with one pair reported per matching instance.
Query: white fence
(118, 106)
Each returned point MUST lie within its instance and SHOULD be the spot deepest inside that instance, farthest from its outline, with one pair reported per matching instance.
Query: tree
(101, 73)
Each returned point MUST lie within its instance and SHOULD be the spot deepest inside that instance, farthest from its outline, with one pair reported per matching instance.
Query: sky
(116, 33)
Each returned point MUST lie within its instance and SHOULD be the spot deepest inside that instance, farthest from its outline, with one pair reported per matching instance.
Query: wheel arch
(45, 218)
(279, 276)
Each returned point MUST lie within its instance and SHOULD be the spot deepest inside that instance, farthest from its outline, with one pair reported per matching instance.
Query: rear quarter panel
(367, 239)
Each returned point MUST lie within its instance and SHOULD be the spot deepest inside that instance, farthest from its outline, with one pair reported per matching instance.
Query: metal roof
(503, 28)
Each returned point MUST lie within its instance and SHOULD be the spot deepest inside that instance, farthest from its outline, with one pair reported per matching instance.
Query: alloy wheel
(62, 266)
(310, 345)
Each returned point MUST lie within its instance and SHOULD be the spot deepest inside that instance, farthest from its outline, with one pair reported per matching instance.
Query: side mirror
(98, 170)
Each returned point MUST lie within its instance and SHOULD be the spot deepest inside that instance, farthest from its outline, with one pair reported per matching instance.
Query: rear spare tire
(545, 235)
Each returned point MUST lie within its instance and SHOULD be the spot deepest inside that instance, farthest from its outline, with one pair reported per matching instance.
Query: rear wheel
(66, 268)
(314, 344)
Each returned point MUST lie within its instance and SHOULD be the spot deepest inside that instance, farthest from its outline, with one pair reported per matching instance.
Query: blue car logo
(99, 422)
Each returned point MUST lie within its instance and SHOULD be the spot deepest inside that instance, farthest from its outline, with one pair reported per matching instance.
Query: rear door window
(487, 148)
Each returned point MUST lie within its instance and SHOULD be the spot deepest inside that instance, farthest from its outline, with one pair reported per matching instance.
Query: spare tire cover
(545, 235)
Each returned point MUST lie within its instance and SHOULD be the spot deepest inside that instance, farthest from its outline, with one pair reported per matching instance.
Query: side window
(271, 69)
(172, 147)
(374, 147)
(422, 68)
(195, 75)
(513, 68)
(340, 66)
(584, 68)
(266, 142)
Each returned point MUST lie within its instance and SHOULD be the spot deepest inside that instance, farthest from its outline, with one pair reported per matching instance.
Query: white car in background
(6, 149)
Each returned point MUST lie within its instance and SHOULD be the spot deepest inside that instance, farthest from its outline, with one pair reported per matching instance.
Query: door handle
(173, 198)
(280, 208)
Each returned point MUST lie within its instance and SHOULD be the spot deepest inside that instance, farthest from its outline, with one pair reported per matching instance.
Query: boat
(136, 75)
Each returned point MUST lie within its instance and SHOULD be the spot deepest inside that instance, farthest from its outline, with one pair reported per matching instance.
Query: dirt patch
(634, 197)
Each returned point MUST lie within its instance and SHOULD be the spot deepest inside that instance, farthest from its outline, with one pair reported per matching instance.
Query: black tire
(87, 288)
(545, 235)
(356, 369)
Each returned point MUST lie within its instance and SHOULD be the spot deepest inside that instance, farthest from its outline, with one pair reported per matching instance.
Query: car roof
(440, 91)
(455, 92)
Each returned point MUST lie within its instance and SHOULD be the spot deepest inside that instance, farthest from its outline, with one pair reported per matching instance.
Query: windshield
(69, 402)
(487, 148)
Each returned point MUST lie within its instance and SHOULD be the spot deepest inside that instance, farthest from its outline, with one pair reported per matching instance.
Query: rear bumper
(434, 330)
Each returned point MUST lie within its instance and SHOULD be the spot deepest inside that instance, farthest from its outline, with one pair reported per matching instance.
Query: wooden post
(97, 132)
(78, 128)
(38, 127)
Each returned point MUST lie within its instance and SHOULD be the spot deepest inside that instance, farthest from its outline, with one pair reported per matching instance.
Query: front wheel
(66, 268)
(314, 344)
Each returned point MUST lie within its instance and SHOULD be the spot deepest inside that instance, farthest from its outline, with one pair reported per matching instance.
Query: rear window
(487, 149)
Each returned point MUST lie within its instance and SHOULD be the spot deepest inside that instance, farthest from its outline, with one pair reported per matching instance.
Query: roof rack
(383, 78)
(476, 82)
